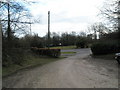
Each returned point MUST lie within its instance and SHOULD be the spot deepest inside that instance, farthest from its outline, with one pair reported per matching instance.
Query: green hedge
(46, 51)
(81, 43)
(12, 56)
(105, 48)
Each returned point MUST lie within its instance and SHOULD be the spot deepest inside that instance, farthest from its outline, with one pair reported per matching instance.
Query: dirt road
(78, 71)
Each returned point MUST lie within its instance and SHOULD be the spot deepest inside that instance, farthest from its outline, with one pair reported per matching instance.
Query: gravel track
(77, 71)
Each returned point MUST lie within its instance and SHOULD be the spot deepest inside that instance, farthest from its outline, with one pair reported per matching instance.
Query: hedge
(46, 51)
(105, 48)
(81, 43)
(12, 56)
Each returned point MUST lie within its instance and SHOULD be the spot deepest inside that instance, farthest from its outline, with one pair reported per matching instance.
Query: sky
(65, 15)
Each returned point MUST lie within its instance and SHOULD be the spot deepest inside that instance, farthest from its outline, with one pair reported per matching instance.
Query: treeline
(68, 39)
(80, 40)
(15, 49)
(64, 39)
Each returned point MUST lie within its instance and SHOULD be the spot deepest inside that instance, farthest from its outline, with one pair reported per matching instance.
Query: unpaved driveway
(78, 71)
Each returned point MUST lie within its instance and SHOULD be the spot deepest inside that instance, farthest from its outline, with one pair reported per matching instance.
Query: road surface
(77, 71)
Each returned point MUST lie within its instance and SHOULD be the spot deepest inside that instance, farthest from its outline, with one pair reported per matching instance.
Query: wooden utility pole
(30, 28)
(48, 29)
(9, 29)
(119, 16)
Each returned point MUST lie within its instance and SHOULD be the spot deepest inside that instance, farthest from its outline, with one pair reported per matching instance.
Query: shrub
(12, 56)
(82, 43)
(46, 51)
(31, 41)
(105, 48)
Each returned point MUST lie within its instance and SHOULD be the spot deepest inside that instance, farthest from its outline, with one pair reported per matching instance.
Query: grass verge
(65, 47)
(30, 61)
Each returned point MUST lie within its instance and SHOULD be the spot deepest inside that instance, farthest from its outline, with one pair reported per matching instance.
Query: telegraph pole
(9, 29)
(119, 16)
(48, 29)
(30, 28)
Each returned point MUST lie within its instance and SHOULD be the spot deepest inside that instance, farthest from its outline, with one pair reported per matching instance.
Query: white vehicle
(117, 57)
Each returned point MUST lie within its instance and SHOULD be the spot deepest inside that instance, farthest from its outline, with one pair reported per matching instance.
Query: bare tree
(99, 28)
(111, 11)
(15, 18)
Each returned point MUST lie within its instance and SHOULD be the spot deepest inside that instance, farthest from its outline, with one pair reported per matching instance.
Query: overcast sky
(65, 15)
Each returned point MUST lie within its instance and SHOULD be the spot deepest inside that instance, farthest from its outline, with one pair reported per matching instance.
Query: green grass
(68, 52)
(28, 62)
(64, 47)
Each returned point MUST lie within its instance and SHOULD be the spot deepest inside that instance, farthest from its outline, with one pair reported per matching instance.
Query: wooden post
(48, 29)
